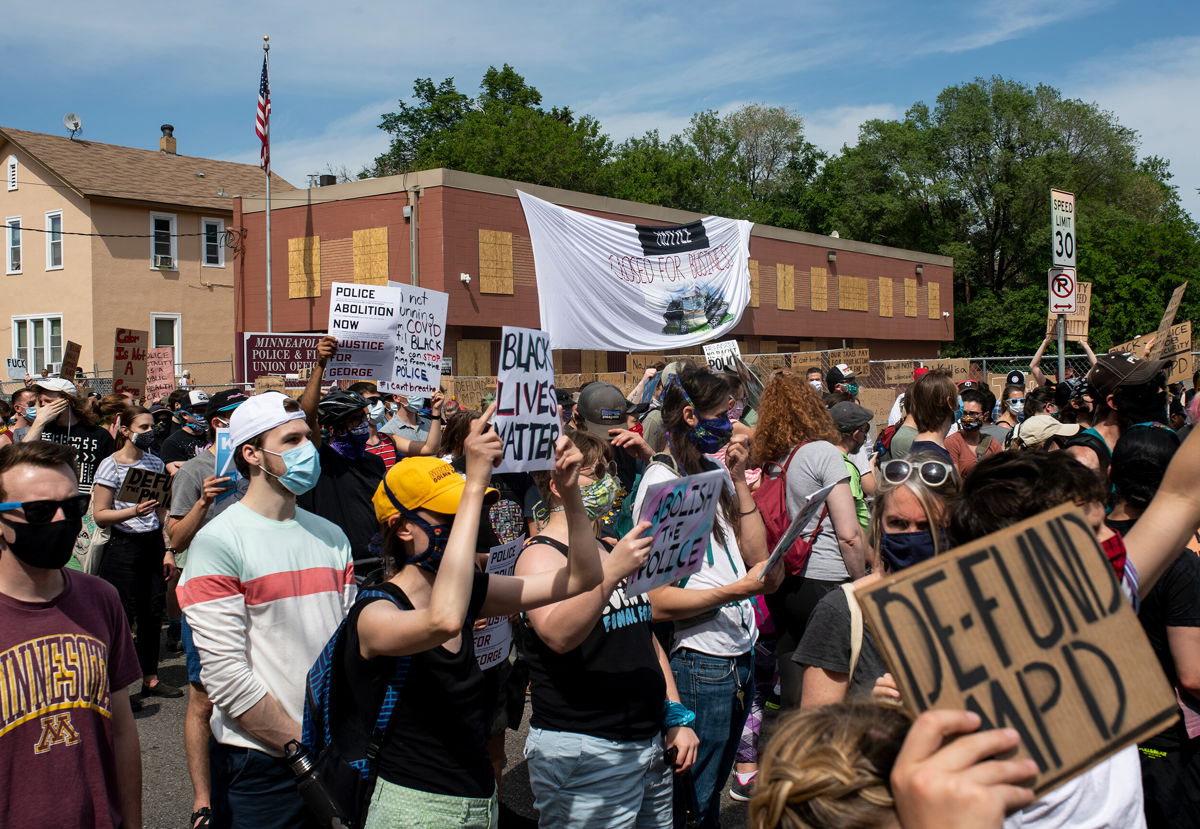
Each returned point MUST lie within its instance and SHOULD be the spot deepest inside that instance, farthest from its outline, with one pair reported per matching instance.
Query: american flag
(262, 123)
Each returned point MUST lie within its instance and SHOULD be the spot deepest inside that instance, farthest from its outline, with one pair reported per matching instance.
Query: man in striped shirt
(266, 585)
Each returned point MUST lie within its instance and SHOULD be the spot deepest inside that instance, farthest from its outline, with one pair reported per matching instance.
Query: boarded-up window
(910, 297)
(819, 294)
(474, 358)
(495, 262)
(852, 293)
(304, 267)
(935, 301)
(885, 296)
(593, 362)
(754, 287)
(786, 289)
(371, 256)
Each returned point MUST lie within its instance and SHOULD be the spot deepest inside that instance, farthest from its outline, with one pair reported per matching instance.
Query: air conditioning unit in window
(165, 263)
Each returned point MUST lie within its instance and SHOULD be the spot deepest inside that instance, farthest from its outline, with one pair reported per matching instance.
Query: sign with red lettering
(364, 318)
(1029, 628)
(129, 362)
(420, 341)
(526, 406)
(160, 372)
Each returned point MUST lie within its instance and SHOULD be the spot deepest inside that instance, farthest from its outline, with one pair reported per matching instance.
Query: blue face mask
(958, 411)
(377, 412)
(900, 550)
(710, 434)
(303, 467)
(353, 444)
(30, 413)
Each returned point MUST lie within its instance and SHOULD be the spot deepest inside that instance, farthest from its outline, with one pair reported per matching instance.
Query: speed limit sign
(1062, 229)
(1063, 290)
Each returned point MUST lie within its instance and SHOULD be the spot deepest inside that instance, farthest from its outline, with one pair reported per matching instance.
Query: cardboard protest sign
(279, 354)
(160, 372)
(566, 381)
(17, 370)
(1177, 347)
(420, 341)
(526, 407)
(769, 362)
(143, 485)
(681, 512)
(129, 362)
(813, 504)
(1029, 628)
(469, 391)
(494, 639)
(268, 383)
(70, 360)
(898, 372)
(1168, 319)
(721, 356)
(958, 369)
(364, 318)
(880, 402)
(1079, 322)
(858, 359)
(616, 378)
(638, 363)
(804, 360)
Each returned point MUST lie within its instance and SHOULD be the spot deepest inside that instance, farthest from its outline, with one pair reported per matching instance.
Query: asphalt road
(167, 792)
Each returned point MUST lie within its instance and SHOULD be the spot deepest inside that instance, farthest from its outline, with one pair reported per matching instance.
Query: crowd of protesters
(365, 518)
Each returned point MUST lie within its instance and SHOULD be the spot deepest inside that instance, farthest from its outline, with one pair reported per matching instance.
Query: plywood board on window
(754, 284)
(593, 362)
(910, 297)
(935, 300)
(885, 297)
(819, 289)
(785, 279)
(495, 262)
(371, 256)
(852, 293)
(304, 267)
(474, 358)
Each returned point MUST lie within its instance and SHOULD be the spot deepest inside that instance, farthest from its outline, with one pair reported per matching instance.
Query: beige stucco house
(158, 255)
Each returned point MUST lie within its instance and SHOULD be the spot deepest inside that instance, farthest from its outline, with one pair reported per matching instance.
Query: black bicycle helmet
(339, 405)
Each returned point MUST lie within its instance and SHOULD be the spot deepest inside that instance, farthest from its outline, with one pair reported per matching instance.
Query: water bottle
(315, 795)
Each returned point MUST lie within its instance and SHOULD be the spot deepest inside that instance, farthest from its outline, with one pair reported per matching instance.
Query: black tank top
(610, 685)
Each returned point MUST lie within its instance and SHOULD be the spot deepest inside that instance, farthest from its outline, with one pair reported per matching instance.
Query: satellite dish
(71, 121)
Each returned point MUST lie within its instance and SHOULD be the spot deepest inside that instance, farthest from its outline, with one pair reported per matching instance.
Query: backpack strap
(985, 443)
(391, 694)
(783, 467)
(856, 628)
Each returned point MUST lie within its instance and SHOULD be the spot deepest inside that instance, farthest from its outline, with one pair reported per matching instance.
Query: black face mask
(47, 546)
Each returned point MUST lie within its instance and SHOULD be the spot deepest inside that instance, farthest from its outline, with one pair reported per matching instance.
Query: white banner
(526, 406)
(364, 320)
(615, 286)
(420, 341)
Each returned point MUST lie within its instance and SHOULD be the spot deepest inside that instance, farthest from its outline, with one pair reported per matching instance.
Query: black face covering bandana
(47, 546)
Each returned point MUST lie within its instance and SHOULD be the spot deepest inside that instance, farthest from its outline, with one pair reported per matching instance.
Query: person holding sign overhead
(136, 560)
(715, 631)
(433, 760)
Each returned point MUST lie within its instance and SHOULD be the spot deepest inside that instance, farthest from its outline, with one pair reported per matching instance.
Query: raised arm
(45, 414)
(433, 440)
(1168, 523)
(311, 398)
(1087, 349)
(1035, 365)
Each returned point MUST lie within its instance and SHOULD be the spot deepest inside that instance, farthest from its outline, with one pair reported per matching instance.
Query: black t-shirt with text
(92, 444)
(182, 445)
(343, 495)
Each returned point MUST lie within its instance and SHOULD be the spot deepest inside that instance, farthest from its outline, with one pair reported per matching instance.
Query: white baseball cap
(259, 414)
(57, 384)
(197, 398)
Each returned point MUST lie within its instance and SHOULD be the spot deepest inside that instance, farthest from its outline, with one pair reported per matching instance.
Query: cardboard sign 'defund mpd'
(1029, 628)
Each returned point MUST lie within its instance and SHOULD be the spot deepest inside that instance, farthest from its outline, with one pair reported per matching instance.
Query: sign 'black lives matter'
(1030, 629)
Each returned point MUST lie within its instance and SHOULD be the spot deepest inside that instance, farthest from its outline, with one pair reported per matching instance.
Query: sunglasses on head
(43, 512)
(933, 473)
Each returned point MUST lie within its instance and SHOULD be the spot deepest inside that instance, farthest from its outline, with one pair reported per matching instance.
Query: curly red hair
(790, 412)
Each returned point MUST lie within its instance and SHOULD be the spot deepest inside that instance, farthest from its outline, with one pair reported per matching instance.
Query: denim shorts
(191, 656)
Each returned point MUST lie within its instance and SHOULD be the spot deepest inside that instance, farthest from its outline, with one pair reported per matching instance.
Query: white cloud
(1152, 89)
(831, 129)
(995, 21)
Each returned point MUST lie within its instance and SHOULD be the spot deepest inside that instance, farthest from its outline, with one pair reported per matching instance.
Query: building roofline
(8, 136)
(443, 177)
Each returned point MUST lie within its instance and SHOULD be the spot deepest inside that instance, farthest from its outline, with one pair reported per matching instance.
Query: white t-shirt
(732, 632)
(1107, 796)
(112, 475)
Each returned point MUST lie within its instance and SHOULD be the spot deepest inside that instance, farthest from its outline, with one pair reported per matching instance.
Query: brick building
(465, 234)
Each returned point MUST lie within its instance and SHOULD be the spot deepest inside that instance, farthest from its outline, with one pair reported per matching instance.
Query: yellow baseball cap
(422, 483)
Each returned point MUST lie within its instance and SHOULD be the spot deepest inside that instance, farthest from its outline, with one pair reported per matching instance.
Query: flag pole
(267, 172)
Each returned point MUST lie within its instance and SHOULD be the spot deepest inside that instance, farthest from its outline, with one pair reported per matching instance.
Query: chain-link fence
(212, 375)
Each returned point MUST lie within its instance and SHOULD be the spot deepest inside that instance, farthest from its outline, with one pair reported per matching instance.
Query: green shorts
(393, 805)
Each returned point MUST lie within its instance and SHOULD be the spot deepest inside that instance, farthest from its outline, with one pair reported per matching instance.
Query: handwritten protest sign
(681, 512)
(16, 368)
(266, 382)
(880, 402)
(858, 359)
(616, 378)
(1177, 348)
(420, 341)
(813, 504)
(1027, 627)
(469, 391)
(279, 354)
(70, 360)
(1079, 322)
(768, 362)
(722, 356)
(493, 640)
(898, 373)
(143, 485)
(526, 406)
(638, 363)
(958, 369)
(804, 360)
(364, 318)
(1168, 319)
(129, 362)
(160, 372)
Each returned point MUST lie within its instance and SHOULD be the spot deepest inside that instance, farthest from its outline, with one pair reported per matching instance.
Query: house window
(213, 242)
(162, 242)
(12, 245)
(54, 241)
(10, 172)
(166, 329)
(38, 341)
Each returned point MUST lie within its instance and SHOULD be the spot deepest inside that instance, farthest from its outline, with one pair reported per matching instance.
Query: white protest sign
(722, 356)
(420, 341)
(681, 513)
(364, 320)
(812, 503)
(526, 407)
(493, 640)
(1062, 228)
(16, 368)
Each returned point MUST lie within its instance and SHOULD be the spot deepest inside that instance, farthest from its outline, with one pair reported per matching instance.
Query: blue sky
(636, 66)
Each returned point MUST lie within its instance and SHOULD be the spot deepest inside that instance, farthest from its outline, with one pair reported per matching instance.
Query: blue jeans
(718, 689)
(253, 790)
